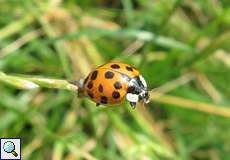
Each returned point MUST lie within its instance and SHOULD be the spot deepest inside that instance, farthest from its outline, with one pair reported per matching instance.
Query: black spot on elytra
(94, 75)
(100, 88)
(115, 95)
(115, 66)
(90, 94)
(117, 85)
(90, 85)
(109, 75)
(104, 99)
(86, 79)
(129, 68)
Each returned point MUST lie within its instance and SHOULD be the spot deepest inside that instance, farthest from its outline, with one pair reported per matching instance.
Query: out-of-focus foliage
(180, 46)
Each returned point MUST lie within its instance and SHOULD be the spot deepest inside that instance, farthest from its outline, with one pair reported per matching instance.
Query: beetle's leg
(133, 104)
(97, 104)
(133, 99)
(80, 85)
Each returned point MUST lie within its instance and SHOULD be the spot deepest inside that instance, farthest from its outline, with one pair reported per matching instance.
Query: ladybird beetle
(113, 82)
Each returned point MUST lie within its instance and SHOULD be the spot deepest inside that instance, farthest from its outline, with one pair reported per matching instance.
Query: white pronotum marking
(143, 81)
(132, 97)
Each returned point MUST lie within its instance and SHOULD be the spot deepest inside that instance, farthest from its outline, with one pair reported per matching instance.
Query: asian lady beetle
(111, 83)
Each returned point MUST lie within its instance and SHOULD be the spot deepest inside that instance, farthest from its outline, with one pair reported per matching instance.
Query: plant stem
(36, 82)
(212, 109)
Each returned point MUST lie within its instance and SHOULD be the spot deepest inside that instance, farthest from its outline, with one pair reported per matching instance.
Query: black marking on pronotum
(109, 75)
(104, 99)
(116, 95)
(117, 85)
(100, 88)
(94, 75)
(129, 68)
(90, 85)
(115, 66)
(133, 90)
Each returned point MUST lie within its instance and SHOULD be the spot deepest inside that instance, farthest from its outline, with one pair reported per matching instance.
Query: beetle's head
(137, 91)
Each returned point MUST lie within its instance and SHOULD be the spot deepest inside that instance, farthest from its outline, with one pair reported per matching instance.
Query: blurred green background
(180, 46)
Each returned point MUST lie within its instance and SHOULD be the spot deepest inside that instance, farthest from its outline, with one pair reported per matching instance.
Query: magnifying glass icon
(9, 147)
